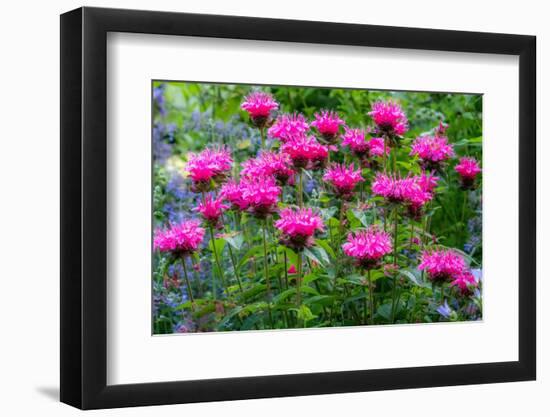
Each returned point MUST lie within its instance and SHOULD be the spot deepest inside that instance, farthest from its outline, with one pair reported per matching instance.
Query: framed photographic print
(291, 208)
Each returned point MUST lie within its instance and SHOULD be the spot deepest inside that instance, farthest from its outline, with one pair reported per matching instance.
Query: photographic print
(286, 207)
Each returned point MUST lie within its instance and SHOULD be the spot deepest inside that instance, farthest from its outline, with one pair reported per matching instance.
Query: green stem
(371, 296)
(234, 263)
(300, 196)
(464, 206)
(188, 283)
(266, 269)
(262, 135)
(217, 259)
(299, 284)
(394, 289)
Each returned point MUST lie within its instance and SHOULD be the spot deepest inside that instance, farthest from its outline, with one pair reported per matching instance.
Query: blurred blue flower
(445, 310)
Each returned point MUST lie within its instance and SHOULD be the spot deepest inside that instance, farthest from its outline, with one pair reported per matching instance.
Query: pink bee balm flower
(432, 150)
(464, 281)
(389, 117)
(355, 139)
(305, 152)
(417, 191)
(180, 239)
(288, 126)
(467, 168)
(368, 247)
(343, 179)
(210, 165)
(327, 124)
(298, 227)
(268, 164)
(393, 189)
(441, 264)
(260, 194)
(292, 269)
(232, 192)
(377, 148)
(211, 209)
(259, 106)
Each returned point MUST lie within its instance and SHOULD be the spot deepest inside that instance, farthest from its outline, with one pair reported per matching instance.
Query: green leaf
(236, 241)
(384, 311)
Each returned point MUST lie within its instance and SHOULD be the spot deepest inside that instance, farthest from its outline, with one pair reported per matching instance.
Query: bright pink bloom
(209, 165)
(441, 264)
(432, 149)
(180, 239)
(393, 189)
(298, 227)
(327, 123)
(368, 247)
(355, 139)
(305, 152)
(389, 117)
(468, 168)
(278, 165)
(292, 269)
(376, 147)
(211, 209)
(232, 192)
(428, 182)
(464, 281)
(259, 104)
(343, 179)
(288, 126)
(260, 194)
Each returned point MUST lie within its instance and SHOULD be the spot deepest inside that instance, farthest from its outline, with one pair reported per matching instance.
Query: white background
(129, 74)
(29, 213)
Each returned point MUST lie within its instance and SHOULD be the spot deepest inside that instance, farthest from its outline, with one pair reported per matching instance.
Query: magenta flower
(209, 167)
(417, 191)
(305, 152)
(328, 124)
(389, 117)
(278, 165)
(232, 192)
(259, 106)
(211, 209)
(298, 227)
(180, 239)
(441, 264)
(343, 179)
(368, 247)
(393, 189)
(467, 168)
(464, 282)
(288, 126)
(377, 148)
(432, 150)
(355, 139)
(260, 194)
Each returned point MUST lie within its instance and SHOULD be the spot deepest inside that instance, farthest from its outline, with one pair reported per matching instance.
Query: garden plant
(287, 207)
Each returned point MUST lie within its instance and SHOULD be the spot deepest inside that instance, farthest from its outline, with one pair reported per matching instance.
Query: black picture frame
(84, 207)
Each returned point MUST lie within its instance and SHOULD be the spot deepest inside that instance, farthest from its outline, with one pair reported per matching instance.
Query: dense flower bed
(278, 215)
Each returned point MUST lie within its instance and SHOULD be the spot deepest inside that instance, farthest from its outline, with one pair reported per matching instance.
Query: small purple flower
(445, 310)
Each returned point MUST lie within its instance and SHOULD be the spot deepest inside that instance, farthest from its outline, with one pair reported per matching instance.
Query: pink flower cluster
(258, 195)
(207, 166)
(368, 247)
(468, 168)
(464, 281)
(432, 150)
(259, 105)
(298, 227)
(355, 139)
(343, 179)
(278, 165)
(211, 209)
(328, 124)
(389, 117)
(288, 127)
(179, 239)
(442, 264)
(305, 152)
